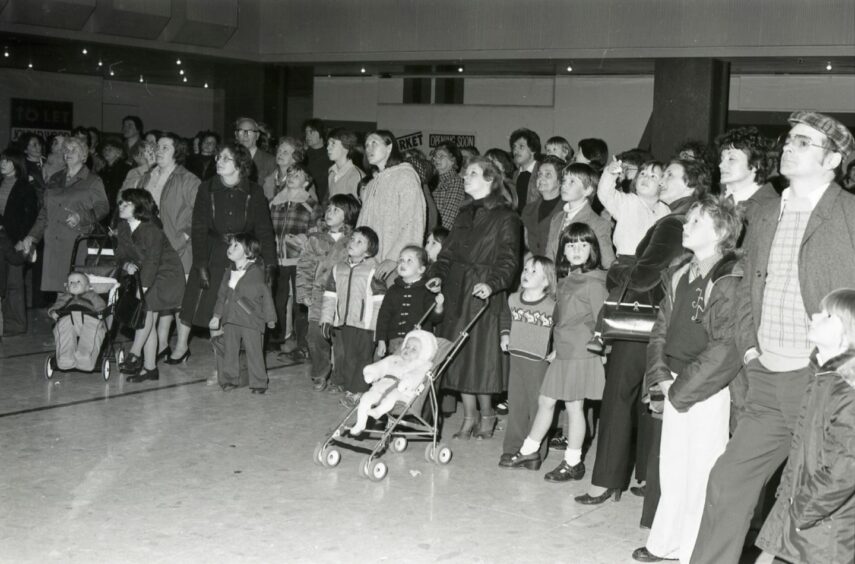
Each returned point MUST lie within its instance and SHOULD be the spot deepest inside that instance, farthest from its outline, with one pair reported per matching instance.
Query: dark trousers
(354, 350)
(619, 416)
(320, 350)
(219, 346)
(253, 343)
(286, 286)
(760, 444)
(652, 428)
(15, 302)
(524, 383)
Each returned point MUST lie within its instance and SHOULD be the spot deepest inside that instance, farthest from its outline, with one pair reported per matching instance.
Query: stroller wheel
(429, 452)
(363, 466)
(399, 444)
(105, 369)
(377, 470)
(317, 456)
(443, 454)
(332, 457)
(120, 356)
(50, 366)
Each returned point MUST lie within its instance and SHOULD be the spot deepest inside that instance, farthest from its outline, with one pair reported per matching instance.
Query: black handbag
(625, 320)
(130, 307)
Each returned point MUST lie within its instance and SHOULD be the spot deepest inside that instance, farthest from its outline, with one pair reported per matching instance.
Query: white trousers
(691, 443)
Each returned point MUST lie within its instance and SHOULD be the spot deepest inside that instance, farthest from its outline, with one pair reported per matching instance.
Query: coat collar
(843, 364)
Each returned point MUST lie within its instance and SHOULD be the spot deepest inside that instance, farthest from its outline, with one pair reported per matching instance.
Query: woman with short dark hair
(143, 247)
(226, 204)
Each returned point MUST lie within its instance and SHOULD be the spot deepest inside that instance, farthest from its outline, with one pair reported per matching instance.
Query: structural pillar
(690, 101)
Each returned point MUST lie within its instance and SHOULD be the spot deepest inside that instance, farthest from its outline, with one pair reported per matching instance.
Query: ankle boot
(466, 430)
(486, 427)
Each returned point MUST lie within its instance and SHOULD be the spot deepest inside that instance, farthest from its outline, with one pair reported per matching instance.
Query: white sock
(572, 456)
(529, 447)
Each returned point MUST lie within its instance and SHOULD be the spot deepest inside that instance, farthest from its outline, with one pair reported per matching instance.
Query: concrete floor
(178, 471)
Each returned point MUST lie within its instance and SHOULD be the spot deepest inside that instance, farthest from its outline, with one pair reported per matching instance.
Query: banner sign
(411, 141)
(43, 117)
(461, 140)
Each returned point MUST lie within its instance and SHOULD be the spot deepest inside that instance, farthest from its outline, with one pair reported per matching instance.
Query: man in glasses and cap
(263, 163)
(797, 250)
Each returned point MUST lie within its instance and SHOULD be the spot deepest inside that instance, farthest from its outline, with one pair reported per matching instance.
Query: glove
(204, 278)
(269, 275)
(326, 329)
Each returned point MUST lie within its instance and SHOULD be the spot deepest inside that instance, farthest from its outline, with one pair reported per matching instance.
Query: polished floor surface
(178, 471)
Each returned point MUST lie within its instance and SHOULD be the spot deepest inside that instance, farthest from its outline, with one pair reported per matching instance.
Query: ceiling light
(141, 78)
(6, 53)
(459, 69)
(185, 79)
(206, 85)
(181, 72)
(362, 70)
(112, 73)
(100, 64)
(569, 68)
(29, 65)
(828, 66)
(84, 51)
(177, 61)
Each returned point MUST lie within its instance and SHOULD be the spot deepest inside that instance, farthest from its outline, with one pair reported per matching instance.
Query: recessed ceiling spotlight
(141, 78)
(569, 68)
(362, 70)
(206, 85)
(85, 51)
(828, 66)
(460, 69)
(112, 73)
(29, 65)
(181, 72)
(177, 61)
(100, 64)
(6, 53)
(185, 79)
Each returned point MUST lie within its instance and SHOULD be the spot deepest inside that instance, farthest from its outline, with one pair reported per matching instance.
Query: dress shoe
(518, 460)
(505, 459)
(259, 390)
(132, 365)
(558, 442)
(564, 472)
(486, 427)
(586, 499)
(502, 407)
(467, 429)
(319, 384)
(644, 555)
(153, 374)
(228, 387)
(640, 491)
(164, 354)
(179, 360)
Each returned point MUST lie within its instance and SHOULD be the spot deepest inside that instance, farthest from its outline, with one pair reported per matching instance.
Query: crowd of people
(331, 249)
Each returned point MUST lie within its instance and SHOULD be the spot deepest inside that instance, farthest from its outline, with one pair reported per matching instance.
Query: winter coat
(813, 519)
(717, 366)
(176, 211)
(315, 265)
(826, 261)
(249, 304)
(602, 228)
(394, 207)
(160, 268)
(352, 295)
(537, 230)
(22, 209)
(403, 307)
(483, 247)
(82, 194)
(220, 210)
(263, 165)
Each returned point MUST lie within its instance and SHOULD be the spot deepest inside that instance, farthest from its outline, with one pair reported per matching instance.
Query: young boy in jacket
(691, 359)
(244, 305)
(78, 334)
(351, 303)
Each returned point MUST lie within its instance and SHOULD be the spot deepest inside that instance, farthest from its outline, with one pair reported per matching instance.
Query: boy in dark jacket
(244, 305)
(691, 360)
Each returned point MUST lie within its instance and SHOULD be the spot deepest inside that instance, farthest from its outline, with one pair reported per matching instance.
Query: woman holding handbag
(143, 248)
(682, 184)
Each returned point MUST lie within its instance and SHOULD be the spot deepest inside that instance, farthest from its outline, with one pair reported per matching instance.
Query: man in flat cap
(797, 250)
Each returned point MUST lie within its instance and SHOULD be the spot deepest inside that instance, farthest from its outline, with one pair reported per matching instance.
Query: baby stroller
(99, 264)
(406, 420)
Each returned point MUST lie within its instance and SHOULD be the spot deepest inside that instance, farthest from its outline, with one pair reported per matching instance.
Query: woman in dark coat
(228, 203)
(479, 261)
(19, 206)
(143, 246)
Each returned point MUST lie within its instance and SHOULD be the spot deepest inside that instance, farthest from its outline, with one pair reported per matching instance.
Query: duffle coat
(483, 246)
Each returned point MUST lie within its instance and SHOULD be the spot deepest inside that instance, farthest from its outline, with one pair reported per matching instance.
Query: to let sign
(43, 117)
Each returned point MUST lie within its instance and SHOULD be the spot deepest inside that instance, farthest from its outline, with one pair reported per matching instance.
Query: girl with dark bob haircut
(577, 233)
(145, 210)
(349, 205)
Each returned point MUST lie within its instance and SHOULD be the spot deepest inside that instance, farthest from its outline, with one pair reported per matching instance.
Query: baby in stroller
(395, 378)
(79, 331)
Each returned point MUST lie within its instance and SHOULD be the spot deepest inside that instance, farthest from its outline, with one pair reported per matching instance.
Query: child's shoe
(319, 384)
(350, 400)
(558, 442)
(335, 389)
(564, 472)
(502, 407)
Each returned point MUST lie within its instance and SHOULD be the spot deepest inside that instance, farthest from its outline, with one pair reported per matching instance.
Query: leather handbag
(625, 320)
(130, 307)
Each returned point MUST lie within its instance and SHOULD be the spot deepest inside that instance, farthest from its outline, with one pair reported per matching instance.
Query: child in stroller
(80, 328)
(395, 378)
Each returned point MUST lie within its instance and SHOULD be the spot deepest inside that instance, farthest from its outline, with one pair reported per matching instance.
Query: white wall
(614, 108)
(102, 103)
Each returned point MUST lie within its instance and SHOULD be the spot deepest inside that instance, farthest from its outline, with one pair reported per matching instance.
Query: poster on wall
(43, 117)
(417, 140)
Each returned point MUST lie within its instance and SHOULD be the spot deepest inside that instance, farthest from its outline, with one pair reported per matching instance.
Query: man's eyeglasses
(800, 142)
(239, 132)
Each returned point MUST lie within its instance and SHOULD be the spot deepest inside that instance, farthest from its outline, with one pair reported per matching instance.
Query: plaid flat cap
(837, 133)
